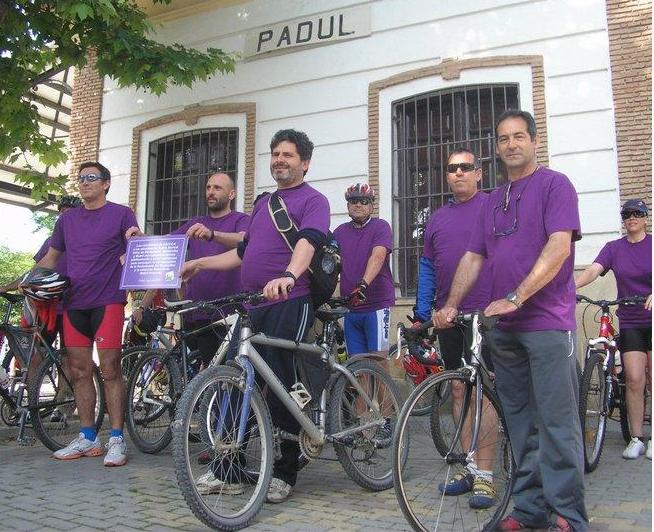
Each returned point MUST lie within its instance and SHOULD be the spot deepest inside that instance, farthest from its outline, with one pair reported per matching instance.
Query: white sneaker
(208, 483)
(634, 449)
(116, 452)
(648, 454)
(278, 491)
(79, 447)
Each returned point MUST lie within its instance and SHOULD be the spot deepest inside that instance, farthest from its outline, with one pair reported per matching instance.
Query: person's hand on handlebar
(444, 318)
(500, 307)
(358, 295)
(648, 302)
(278, 288)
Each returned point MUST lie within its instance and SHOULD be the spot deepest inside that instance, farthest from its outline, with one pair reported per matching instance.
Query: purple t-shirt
(93, 241)
(513, 238)
(631, 263)
(356, 245)
(267, 255)
(446, 241)
(60, 267)
(209, 284)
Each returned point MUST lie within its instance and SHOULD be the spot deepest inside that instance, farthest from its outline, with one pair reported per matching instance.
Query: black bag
(326, 263)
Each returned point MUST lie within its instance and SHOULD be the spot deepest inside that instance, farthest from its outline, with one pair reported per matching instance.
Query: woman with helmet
(630, 259)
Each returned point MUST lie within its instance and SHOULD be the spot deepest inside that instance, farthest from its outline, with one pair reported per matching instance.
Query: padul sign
(326, 28)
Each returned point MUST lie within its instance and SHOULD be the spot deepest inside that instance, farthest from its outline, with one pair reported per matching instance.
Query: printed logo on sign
(169, 276)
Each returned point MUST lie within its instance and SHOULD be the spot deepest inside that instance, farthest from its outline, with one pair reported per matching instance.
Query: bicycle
(46, 398)
(429, 451)
(602, 388)
(159, 375)
(238, 432)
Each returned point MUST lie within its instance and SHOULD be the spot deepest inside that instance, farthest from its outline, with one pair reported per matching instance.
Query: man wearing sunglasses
(446, 239)
(527, 231)
(93, 238)
(630, 258)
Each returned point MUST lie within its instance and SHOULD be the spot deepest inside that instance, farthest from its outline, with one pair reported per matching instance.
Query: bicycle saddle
(331, 314)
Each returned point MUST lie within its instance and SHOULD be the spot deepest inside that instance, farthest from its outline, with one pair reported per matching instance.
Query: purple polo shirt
(60, 267)
(94, 241)
(211, 284)
(267, 255)
(356, 245)
(447, 235)
(631, 263)
(513, 238)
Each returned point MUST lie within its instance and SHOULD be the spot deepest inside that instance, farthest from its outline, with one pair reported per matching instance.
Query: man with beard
(218, 231)
(269, 265)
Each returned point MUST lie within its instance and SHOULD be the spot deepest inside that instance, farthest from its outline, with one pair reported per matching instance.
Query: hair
(524, 115)
(104, 171)
(462, 149)
(302, 143)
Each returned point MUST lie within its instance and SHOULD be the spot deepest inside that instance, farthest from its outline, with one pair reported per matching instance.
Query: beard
(219, 205)
(285, 174)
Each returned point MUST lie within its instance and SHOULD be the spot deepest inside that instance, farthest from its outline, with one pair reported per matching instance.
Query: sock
(89, 433)
(116, 433)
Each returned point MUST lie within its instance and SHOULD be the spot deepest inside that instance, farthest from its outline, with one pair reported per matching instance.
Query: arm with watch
(300, 260)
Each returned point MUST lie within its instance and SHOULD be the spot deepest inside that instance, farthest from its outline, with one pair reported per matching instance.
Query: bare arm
(375, 263)
(50, 259)
(300, 261)
(589, 275)
(229, 240)
(225, 261)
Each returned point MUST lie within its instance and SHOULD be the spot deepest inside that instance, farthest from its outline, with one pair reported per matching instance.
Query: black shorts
(636, 339)
(453, 342)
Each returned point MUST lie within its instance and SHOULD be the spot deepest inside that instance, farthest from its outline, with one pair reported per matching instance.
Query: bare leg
(114, 386)
(80, 360)
(635, 366)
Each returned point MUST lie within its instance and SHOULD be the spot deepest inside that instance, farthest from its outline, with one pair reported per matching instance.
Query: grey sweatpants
(537, 383)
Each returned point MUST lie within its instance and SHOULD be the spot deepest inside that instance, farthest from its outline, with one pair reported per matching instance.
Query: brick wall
(86, 114)
(630, 45)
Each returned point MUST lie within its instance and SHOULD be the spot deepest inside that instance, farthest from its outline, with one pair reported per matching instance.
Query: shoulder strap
(282, 220)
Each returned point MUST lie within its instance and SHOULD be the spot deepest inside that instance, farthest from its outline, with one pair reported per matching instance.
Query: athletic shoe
(458, 485)
(278, 491)
(208, 483)
(510, 523)
(648, 453)
(116, 452)
(483, 494)
(634, 449)
(561, 525)
(384, 435)
(79, 447)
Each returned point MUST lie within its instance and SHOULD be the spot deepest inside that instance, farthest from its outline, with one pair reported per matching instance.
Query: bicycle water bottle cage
(300, 394)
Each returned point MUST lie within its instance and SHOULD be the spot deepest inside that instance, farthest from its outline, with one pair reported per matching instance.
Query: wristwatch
(513, 298)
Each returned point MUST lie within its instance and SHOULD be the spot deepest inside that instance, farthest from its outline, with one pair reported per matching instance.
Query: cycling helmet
(69, 202)
(360, 190)
(42, 284)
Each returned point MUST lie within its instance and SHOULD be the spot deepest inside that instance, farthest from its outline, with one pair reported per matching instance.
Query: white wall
(324, 90)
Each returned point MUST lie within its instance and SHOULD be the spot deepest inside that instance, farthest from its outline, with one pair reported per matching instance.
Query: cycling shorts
(102, 325)
(636, 339)
(454, 342)
(367, 332)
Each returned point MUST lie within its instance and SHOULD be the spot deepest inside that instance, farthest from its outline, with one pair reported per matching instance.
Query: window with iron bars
(426, 128)
(178, 170)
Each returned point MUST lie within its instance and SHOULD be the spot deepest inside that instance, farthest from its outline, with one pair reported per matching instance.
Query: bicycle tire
(409, 384)
(8, 413)
(152, 392)
(622, 407)
(129, 356)
(53, 407)
(593, 409)
(419, 467)
(369, 448)
(251, 463)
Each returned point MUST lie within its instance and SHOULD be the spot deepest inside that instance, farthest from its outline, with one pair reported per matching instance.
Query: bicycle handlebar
(11, 297)
(603, 303)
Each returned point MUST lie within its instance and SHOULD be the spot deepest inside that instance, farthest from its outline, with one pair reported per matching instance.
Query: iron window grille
(426, 128)
(179, 166)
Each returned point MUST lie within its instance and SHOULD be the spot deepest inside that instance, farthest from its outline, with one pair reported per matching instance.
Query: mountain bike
(42, 392)
(238, 432)
(428, 451)
(603, 389)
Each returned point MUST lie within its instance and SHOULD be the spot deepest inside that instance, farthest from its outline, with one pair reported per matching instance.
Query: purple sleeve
(181, 230)
(43, 250)
(605, 257)
(428, 248)
(57, 238)
(562, 208)
(477, 243)
(316, 215)
(129, 220)
(383, 236)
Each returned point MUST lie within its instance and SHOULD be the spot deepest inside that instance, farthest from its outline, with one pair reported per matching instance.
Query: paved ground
(38, 493)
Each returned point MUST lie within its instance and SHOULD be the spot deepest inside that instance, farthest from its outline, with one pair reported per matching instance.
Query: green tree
(39, 38)
(13, 264)
(44, 221)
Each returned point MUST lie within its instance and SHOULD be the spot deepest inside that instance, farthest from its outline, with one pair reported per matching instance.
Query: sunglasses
(465, 167)
(628, 214)
(359, 201)
(91, 178)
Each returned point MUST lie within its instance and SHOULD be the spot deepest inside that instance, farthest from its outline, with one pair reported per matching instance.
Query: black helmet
(69, 202)
(42, 284)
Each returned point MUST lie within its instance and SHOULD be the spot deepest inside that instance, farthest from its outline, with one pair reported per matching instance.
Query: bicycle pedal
(26, 441)
(300, 394)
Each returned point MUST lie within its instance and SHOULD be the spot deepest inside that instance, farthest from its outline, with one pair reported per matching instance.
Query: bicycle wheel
(593, 410)
(53, 409)
(422, 470)
(365, 454)
(8, 413)
(409, 383)
(128, 358)
(227, 490)
(152, 391)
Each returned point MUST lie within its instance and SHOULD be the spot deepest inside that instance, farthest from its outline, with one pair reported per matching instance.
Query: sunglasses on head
(465, 167)
(91, 178)
(360, 201)
(628, 214)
